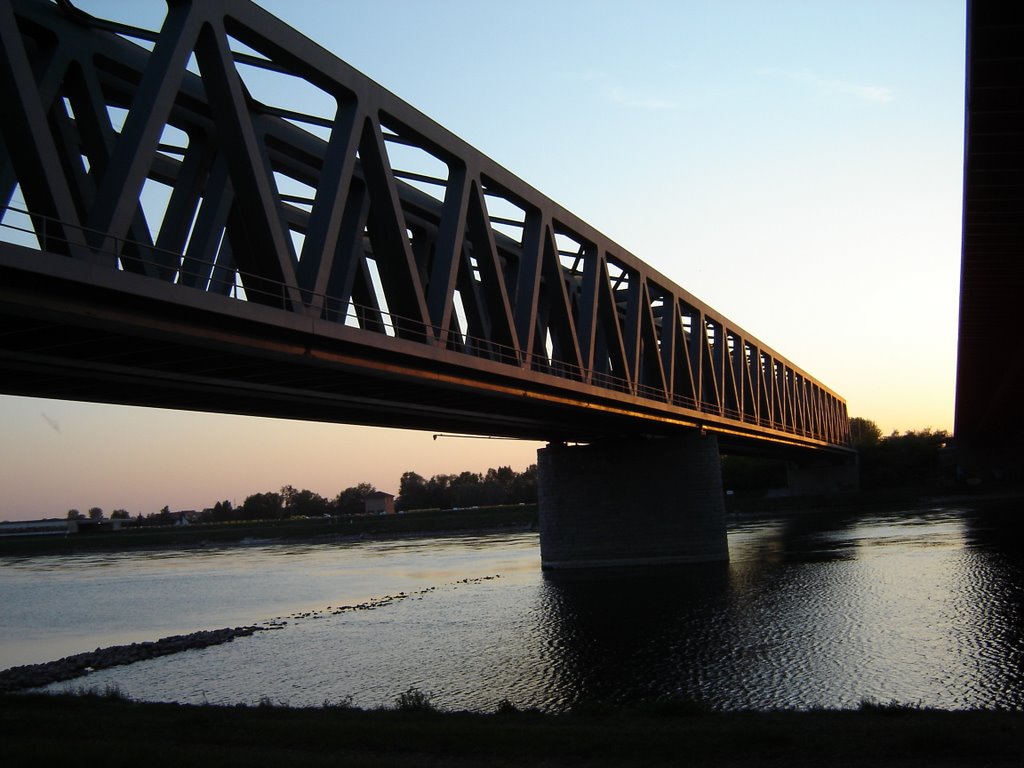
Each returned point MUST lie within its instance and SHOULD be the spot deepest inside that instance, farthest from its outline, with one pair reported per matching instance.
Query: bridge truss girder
(368, 235)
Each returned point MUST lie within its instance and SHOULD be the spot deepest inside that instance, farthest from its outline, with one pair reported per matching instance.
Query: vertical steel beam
(528, 283)
(502, 326)
(448, 250)
(262, 249)
(398, 270)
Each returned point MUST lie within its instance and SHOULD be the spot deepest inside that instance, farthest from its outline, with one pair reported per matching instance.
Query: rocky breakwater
(70, 667)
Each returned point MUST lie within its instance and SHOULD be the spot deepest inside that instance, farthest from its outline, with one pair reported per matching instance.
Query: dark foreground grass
(107, 730)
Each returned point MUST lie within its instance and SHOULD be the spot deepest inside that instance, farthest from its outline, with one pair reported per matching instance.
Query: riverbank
(426, 522)
(433, 522)
(869, 501)
(111, 731)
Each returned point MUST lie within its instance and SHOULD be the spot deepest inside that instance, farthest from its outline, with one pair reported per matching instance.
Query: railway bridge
(170, 237)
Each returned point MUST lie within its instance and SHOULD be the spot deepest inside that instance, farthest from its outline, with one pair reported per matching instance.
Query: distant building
(63, 526)
(380, 503)
(33, 527)
(101, 525)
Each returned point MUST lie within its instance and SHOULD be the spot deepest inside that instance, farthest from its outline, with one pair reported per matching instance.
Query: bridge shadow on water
(626, 636)
(923, 606)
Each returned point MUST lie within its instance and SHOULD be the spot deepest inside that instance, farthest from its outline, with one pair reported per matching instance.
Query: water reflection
(991, 597)
(629, 635)
(811, 611)
(998, 526)
(814, 610)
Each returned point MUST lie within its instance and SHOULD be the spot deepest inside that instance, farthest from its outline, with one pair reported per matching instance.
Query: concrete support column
(631, 502)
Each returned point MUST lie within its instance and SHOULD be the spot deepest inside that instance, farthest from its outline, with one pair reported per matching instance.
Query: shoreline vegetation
(105, 728)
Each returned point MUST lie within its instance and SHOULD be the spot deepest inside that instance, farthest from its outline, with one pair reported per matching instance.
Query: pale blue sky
(797, 165)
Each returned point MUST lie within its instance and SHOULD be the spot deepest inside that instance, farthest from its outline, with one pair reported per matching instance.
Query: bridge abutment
(638, 501)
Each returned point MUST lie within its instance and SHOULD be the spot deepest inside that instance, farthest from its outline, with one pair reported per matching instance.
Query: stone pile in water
(70, 667)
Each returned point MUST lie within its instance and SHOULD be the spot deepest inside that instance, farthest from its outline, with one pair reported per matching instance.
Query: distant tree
(864, 433)
(524, 489)
(220, 512)
(500, 485)
(74, 514)
(466, 490)
(497, 486)
(491, 494)
(412, 492)
(95, 513)
(263, 506)
(439, 491)
(503, 476)
(287, 494)
(119, 514)
(907, 460)
(306, 503)
(351, 501)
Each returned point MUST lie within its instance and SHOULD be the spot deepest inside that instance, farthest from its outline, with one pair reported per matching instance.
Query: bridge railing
(134, 256)
(144, 258)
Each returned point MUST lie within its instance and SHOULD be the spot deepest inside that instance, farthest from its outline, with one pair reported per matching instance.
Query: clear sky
(796, 165)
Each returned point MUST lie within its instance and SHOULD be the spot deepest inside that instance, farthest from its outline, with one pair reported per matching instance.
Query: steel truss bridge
(170, 237)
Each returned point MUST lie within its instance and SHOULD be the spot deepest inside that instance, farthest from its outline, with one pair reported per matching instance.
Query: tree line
(502, 485)
(913, 458)
(897, 460)
(886, 461)
(468, 489)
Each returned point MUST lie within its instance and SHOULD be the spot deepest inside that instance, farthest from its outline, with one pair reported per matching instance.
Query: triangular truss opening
(16, 225)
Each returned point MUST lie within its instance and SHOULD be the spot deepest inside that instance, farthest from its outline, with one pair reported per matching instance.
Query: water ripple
(814, 611)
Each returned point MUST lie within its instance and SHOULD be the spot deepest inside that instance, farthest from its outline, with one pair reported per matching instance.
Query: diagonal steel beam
(31, 148)
(118, 192)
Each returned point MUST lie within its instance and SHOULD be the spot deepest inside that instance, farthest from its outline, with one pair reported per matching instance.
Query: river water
(812, 610)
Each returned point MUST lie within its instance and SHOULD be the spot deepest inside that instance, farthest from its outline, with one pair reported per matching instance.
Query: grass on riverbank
(111, 731)
(433, 521)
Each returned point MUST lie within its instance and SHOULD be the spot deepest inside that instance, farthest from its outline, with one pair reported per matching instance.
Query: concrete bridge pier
(636, 501)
